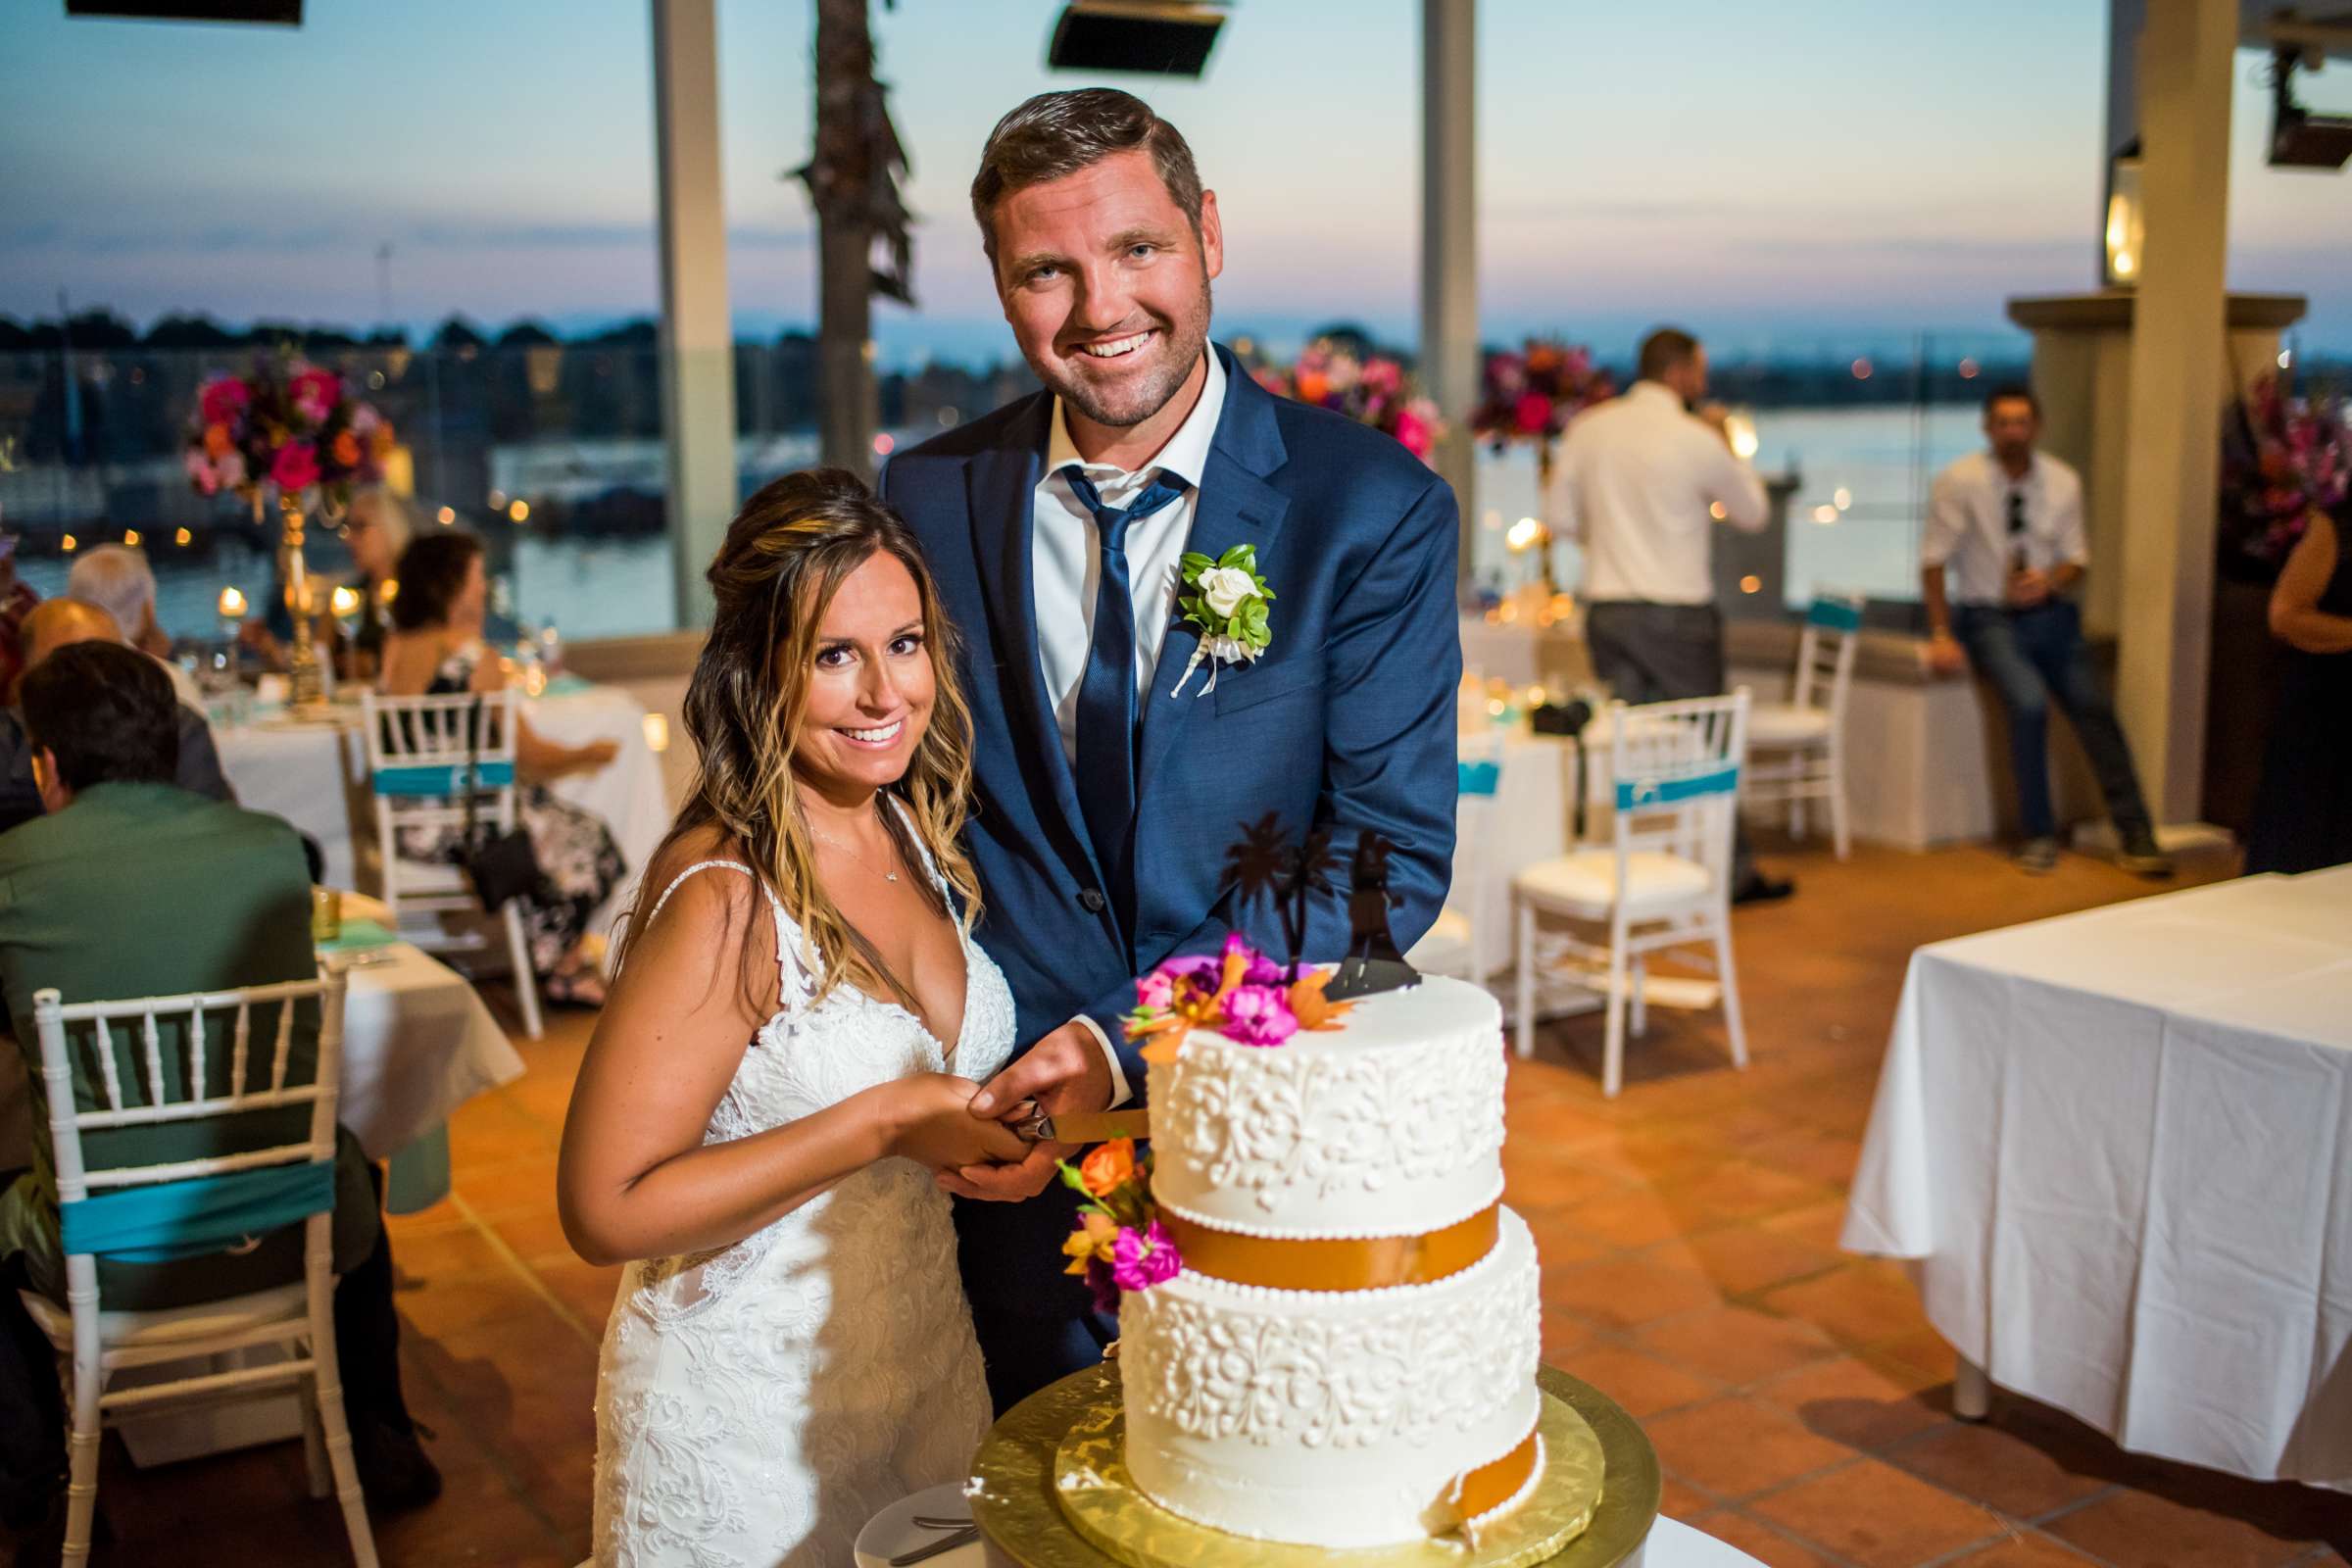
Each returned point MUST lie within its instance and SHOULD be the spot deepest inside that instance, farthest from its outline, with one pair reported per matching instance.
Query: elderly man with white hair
(118, 580)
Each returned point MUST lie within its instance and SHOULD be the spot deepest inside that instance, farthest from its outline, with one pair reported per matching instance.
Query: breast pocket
(1299, 676)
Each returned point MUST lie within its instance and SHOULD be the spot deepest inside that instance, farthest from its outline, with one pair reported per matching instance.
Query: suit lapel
(1000, 495)
(1237, 505)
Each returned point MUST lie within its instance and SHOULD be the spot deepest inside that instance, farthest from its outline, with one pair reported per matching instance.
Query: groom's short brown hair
(1055, 135)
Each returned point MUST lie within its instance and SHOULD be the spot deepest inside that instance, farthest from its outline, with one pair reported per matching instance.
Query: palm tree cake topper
(1267, 864)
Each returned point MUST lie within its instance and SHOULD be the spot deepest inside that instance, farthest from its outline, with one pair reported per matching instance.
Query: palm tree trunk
(848, 405)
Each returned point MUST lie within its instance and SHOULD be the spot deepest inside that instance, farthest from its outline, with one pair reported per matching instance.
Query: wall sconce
(2126, 222)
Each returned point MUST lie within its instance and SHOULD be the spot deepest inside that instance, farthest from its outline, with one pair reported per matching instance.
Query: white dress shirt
(1065, 572)
(1636, 480)
(1968, 524)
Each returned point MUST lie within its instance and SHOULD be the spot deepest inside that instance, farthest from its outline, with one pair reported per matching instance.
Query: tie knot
(1164, 489)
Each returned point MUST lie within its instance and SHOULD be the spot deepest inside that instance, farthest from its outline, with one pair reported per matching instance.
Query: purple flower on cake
(1141, 1260)
(1259, 1015)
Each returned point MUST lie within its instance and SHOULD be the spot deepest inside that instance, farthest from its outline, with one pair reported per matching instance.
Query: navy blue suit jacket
(1346, 721)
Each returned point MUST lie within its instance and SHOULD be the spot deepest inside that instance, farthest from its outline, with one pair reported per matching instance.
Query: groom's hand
(1064, 1072)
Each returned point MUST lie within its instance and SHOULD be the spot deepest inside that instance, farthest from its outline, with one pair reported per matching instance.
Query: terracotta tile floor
(1798, 1398)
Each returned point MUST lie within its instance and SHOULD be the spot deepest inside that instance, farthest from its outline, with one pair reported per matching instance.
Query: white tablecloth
(314, 774)
(2120, 1146)
(418, 1042)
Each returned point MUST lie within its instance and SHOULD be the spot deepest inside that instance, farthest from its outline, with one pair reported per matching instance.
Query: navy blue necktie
(1106, 763)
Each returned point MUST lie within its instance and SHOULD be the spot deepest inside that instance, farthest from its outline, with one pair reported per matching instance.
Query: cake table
(1049, 1493)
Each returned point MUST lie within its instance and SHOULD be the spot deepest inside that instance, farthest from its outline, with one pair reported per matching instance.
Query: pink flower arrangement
(287, 424)
(1240, 993)
(1533, 393)
(1117, 1243)
(1375, 390)
(2285, 458)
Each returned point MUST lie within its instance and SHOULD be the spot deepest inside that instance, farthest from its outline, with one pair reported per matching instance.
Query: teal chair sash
(172, 1220)
(1478, 778)
(1835, 615)
(435, 780)
(1649, 794)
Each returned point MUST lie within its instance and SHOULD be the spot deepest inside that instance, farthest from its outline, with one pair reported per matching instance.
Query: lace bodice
(755, 1405)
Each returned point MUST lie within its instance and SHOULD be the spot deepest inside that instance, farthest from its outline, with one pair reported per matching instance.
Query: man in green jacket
(130, 886)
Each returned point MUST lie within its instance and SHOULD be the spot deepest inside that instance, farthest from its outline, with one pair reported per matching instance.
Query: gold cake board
(1049, 1493)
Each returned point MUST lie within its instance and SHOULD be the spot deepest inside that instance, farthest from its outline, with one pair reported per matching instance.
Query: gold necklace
(844, 848)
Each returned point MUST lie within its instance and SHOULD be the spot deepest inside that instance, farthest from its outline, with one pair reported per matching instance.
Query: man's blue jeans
(2035, 657)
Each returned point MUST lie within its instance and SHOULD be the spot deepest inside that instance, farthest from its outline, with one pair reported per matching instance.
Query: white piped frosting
(1389, 1125)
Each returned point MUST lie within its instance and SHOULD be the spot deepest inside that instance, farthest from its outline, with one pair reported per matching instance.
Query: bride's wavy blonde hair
(787, 553)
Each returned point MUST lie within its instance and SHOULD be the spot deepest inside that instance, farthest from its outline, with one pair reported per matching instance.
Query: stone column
(1449, 357)
(697, 343)
(2188, 57)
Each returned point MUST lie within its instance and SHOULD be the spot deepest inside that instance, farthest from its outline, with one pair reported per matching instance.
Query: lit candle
(232, 605)
(346, 601)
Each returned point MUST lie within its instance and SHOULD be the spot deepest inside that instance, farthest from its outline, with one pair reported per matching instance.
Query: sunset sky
(1800, 178)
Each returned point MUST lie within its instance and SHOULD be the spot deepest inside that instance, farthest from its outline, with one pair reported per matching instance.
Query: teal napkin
(358, 936)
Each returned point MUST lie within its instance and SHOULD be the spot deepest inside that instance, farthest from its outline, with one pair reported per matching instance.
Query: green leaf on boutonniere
(1194, 564)
(1242, 556)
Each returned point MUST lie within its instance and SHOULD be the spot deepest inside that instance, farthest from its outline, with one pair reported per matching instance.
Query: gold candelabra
(301, 660)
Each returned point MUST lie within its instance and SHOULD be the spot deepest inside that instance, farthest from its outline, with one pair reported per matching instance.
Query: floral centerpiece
(287, 427)
(1373, 388)
(2282, 458)
(1531, 395)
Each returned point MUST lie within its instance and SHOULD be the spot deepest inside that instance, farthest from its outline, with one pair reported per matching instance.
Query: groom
(1105, 800)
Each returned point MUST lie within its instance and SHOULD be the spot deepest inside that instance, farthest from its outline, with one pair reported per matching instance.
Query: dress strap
(791, 968)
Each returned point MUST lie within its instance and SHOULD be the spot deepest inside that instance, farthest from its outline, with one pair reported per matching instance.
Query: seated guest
(118, 580)
(132, 886)
(435, 645)
(15, 603)
(2005, 526)
(375, 532)
(60, 623)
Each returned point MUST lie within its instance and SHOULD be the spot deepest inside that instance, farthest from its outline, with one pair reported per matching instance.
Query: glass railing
(554, 453)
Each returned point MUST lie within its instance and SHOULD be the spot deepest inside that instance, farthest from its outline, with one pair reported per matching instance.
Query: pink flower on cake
(1259, 1015)
(1144, 1258)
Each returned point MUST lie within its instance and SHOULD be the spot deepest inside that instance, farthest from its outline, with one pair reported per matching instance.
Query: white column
(697, 346)
(2179, 381)
(1450, 359)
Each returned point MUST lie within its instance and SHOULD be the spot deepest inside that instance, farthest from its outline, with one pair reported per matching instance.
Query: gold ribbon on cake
(1349, 1263)
(1476, 1492)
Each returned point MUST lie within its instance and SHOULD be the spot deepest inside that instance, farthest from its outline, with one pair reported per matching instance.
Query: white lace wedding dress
(756, 1405)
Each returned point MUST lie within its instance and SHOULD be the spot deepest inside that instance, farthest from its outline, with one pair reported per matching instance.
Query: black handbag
(500, 865)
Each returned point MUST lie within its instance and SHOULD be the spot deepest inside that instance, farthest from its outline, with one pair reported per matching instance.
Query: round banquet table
(893, 1532)
(312, 769)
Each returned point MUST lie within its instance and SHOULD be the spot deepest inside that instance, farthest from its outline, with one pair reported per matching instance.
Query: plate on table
(894, 1532)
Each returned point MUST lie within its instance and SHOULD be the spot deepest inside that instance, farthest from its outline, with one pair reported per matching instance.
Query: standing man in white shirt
(1641, 482)
(2003, 553)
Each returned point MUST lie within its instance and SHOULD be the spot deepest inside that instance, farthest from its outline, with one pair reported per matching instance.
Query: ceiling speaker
(1165, 37)
(277, 13)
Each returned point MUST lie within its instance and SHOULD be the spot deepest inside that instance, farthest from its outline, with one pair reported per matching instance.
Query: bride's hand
(928, 1119)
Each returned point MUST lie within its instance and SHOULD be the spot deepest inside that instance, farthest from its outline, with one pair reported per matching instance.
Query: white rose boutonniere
(1225, 600)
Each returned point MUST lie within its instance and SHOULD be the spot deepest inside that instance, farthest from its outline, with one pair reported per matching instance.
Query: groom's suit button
(1092, 900)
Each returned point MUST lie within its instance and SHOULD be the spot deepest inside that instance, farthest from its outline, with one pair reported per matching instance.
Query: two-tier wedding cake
(1347, 1354)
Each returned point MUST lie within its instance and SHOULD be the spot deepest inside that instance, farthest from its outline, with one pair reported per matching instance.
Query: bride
(788, 1054)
